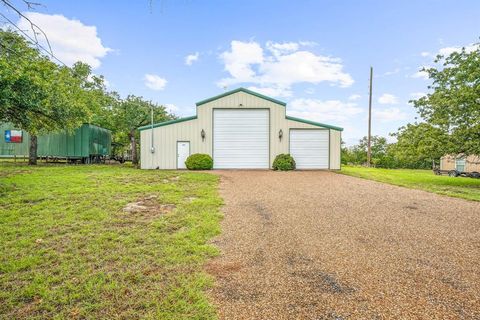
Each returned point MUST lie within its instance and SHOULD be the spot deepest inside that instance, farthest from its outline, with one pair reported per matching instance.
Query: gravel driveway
(319, 245)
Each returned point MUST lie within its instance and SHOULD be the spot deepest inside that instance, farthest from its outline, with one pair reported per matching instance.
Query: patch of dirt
(147, 208)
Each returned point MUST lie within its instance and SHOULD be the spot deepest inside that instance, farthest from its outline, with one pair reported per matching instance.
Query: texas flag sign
(13, 136)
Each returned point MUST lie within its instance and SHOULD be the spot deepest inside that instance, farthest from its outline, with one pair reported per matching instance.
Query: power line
(32, 25)
(35, 42)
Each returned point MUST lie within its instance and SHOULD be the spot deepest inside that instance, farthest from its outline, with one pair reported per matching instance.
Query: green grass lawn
(68, 249)
(466, 188)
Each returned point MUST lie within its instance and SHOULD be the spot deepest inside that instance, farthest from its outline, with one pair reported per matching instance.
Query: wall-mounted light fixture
(202, 133)
(280, 134)
(240, 105)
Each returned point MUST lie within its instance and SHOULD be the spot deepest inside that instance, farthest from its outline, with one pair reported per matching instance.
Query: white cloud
(323, 111)
(272, 91)
(387, 98)
(280, 66)
(191, 58)
(425, 54)
(389, 115)
(71, 40)
(239, 61)
(421, 74)
(155, 82)
(171, 108)
(307, 43)
(354, 97)
(277, 49)
(449, 50)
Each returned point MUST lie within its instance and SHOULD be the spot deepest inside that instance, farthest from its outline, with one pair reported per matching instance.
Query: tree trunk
(133, 142)
(32, 154)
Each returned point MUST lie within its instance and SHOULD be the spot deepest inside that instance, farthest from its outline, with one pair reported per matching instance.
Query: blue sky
(314, 55)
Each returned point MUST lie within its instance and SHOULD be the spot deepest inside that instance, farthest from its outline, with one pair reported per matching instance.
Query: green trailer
(89, 143)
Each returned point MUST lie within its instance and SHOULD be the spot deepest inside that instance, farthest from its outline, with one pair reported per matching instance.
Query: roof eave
(261, 96)
(166, 123)
(313, 123)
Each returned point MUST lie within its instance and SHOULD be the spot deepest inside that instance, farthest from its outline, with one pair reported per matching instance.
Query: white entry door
(183, 151)
(241, 138)
(309, 148)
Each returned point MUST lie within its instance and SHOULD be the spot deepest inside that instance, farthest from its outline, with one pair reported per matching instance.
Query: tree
(134, 112)
(40, 96)
(454, 104)
(357, 154)
(419, 145)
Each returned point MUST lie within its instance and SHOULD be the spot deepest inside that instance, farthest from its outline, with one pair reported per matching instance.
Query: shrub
(199, 161)
(284, 162)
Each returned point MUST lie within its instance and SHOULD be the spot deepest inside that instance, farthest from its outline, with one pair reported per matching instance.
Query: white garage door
(309, 148)
(240, 139)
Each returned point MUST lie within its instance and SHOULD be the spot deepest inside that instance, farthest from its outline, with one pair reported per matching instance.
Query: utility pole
(369, 150)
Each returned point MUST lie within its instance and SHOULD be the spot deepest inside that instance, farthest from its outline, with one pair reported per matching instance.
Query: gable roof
(261, 96)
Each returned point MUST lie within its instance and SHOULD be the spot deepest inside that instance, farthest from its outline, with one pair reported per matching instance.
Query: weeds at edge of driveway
(70, 251)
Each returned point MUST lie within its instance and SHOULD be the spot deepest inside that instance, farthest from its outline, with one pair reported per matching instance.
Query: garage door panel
(310, 148)
(241, 138)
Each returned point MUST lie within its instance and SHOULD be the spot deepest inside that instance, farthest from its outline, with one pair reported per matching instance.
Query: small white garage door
(240, 139)
(309, 148)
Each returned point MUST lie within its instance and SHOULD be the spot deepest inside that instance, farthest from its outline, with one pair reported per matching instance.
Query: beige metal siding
(166, 137)
(335, 144)
(472, 163)
(447, 163)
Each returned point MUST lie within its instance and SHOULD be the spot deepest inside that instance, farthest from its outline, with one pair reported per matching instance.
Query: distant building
(460, 163)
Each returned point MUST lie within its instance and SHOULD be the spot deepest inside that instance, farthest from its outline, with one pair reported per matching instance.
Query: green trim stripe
(261, 96)
(166, 123)
(318, 124)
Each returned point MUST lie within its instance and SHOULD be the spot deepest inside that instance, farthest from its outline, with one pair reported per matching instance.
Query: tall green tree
(357, 154)
(40, 96)
(454, 104)
(134, 112)
(419, 145)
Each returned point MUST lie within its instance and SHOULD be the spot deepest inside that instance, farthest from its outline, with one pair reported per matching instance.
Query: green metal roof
(166, 123)
(261, 96)
(318, 124)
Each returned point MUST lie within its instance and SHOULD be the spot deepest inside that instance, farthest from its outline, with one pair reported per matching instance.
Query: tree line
(449, 114)
(40, 96)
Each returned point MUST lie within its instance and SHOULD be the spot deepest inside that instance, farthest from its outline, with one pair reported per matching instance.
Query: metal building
(240, 129)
